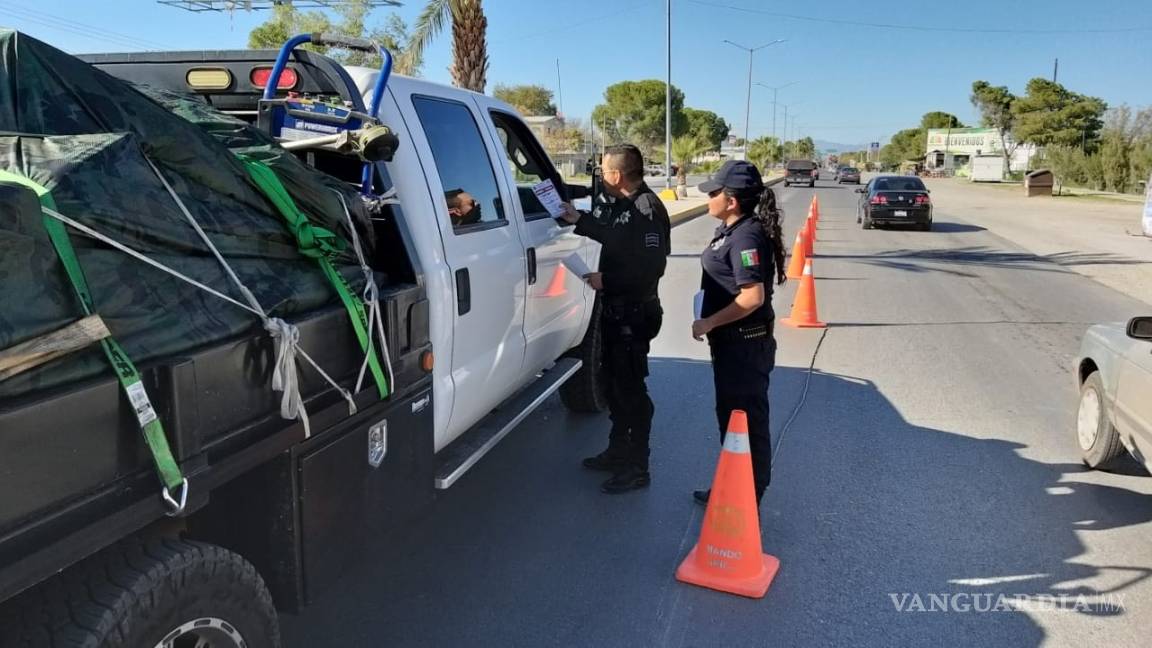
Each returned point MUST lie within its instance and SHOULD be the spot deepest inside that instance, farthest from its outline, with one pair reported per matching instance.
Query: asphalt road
(930, 451)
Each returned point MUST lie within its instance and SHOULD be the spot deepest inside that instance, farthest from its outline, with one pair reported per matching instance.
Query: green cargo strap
(126, 372)
(320, 244)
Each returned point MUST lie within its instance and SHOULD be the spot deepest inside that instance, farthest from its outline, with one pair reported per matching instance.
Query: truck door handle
(531, 266)
(463, 292)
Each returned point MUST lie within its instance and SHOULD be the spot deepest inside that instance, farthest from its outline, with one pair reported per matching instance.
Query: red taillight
(879, 200)
(260, 76)
(923, 200)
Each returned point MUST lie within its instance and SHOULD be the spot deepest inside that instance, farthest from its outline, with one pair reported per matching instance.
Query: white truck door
(482, 247)
(557, 298)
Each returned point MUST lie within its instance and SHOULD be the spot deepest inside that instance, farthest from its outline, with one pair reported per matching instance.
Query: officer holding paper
(634, 230)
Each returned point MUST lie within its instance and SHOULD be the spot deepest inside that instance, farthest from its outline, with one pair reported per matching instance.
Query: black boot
(701, 496)
(610, 460)
(629, 478)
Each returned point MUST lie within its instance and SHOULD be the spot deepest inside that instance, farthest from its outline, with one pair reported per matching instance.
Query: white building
(954, 148)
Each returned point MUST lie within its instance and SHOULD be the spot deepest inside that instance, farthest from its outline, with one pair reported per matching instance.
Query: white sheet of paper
(576, 264)
(698, 304)
(548, 196)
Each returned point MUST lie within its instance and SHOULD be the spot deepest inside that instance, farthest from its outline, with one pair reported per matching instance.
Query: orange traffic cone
(809, 236)
(728, 557)
(799, 254)
(804, 306)
(816, 208)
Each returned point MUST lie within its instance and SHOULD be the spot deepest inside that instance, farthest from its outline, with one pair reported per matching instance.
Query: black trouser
(740, 372)
(627, 330)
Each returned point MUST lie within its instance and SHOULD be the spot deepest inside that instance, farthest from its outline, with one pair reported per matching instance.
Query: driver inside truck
(463, 209)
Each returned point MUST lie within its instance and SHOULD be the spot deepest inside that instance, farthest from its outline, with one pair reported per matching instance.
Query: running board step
(464, 452)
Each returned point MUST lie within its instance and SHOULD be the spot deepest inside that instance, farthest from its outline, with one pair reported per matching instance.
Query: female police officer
(736, 314)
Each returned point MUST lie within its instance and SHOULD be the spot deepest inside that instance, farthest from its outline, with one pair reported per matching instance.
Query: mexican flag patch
(749, 258)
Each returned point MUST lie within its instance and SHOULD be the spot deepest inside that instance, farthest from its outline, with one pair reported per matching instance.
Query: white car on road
(1115, 374)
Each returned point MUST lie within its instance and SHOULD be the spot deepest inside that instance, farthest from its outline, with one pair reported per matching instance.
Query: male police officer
(634, 231)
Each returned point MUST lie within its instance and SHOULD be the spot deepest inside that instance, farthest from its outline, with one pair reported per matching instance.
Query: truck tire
(142, 594)
(583, 391)
(1098, 440)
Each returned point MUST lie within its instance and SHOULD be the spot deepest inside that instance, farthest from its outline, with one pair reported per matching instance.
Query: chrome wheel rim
(205, 632)
(1088, 418)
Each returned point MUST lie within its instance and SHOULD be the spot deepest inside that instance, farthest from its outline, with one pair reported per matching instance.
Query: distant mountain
(836, 147)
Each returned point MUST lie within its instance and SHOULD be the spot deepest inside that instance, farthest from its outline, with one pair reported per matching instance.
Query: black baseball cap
(738, 175)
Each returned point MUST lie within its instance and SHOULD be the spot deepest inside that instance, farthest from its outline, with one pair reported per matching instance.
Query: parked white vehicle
(1115, 375)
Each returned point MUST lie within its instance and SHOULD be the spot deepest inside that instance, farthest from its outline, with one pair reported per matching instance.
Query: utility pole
(668, 104)
(748, 101)
(774, 90)
(1055, 69)
(559, 90)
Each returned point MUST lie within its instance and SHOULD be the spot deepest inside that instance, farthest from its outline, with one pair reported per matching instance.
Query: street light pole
(668, 105)
(774, 90)
(748, 101)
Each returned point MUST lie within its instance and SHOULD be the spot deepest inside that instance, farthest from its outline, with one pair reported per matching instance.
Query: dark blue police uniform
(744, 351)
(635, 234)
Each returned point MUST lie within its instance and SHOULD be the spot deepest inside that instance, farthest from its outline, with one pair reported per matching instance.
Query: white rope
(371, 299)
(285, 336)
(269, 323)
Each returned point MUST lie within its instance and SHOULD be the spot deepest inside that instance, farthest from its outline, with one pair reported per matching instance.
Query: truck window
(528, 162)
(466, 173)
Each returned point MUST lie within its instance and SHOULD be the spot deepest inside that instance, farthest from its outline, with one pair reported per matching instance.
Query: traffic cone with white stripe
(809, 235)
(799, 254)
(804, 306)
(728, 557)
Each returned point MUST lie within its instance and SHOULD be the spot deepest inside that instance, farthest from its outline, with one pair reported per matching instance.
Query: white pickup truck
(484, 319)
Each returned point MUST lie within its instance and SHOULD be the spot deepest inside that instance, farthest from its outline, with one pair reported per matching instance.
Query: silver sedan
(1115, 373)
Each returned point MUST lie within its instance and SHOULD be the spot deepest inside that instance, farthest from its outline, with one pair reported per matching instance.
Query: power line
(923, 28)
(71, 26)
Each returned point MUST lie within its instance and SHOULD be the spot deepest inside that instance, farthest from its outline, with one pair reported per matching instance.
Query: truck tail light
(261, 75)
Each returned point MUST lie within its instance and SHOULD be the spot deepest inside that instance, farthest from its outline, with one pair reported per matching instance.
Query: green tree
(937, 119)
(764, 151)
(685, 149)
(469, 26)
(1050, 114)
(286, 21)
(707, 126)
(804, 148)
(634, 111)
(908, 144)
(528, 99)
(995, 106)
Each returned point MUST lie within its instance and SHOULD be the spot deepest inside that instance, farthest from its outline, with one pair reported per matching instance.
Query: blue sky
(854, 83)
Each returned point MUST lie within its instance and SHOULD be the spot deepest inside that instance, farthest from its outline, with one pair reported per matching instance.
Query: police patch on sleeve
(749, 258)
(652, 240)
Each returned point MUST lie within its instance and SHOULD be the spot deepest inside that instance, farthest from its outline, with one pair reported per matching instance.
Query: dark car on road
(800, 172)
(848, 174)
(895, 200)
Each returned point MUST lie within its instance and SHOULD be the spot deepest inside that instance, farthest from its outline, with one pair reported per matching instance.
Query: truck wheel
(583, 391)
(1099, 441)
(164, 593)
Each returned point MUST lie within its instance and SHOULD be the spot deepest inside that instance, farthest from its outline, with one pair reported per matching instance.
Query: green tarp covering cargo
(131, 168)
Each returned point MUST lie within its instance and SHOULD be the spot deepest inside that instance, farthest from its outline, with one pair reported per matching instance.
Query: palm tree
(469, 45)
(684, 150)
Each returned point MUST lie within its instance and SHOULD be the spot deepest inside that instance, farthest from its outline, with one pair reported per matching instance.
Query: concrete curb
(685, 216)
